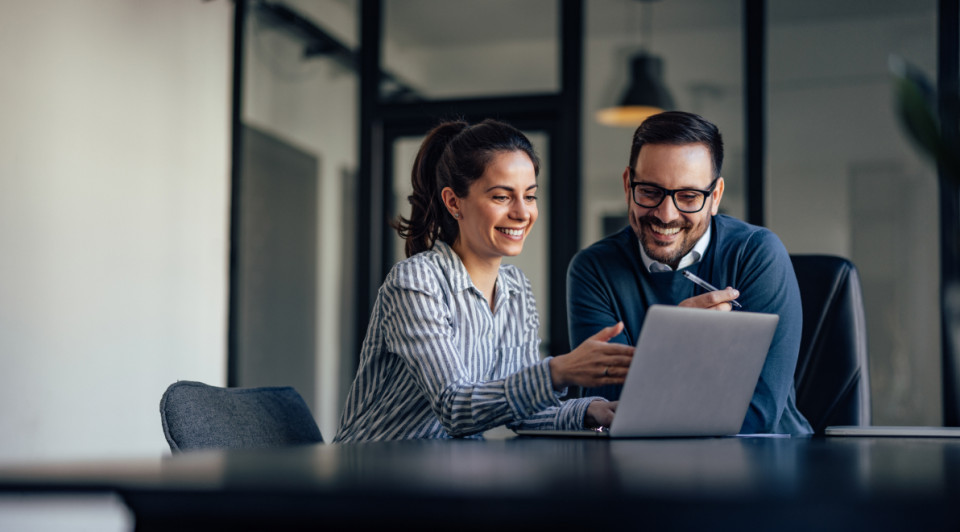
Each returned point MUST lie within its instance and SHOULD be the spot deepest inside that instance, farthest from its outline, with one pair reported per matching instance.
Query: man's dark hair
(679, 127)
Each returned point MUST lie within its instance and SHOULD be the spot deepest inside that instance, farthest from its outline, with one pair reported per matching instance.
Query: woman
(452, 345)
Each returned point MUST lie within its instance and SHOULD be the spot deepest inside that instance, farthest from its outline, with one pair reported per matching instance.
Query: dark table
(534, 483)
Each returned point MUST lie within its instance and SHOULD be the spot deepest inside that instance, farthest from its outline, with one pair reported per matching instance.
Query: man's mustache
(651, 220)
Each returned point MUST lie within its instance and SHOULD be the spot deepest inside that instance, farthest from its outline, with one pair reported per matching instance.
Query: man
(673, 190)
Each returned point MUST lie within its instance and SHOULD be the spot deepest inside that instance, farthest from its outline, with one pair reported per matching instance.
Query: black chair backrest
(832, 378)
(198, 416)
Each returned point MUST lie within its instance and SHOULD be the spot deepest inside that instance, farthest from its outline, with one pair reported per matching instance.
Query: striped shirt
(437, 363)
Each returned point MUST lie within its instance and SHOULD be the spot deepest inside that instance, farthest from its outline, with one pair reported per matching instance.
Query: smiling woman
(495, 216)
(452, 348)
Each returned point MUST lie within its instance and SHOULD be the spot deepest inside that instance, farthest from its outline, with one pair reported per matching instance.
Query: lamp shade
(645, 96)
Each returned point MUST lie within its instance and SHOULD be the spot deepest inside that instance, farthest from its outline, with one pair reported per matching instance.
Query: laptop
(693, 373)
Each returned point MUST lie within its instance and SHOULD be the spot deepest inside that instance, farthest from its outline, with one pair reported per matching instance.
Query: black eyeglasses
(688, 200)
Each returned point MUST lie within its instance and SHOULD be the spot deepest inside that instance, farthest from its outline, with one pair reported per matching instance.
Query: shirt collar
(459, 277)
(688, 260)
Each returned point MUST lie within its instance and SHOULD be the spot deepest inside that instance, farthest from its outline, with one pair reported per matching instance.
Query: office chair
(832, 378)
(198, 416)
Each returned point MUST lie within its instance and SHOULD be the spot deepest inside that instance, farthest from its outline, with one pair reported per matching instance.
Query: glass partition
(843, 179)
(700, 45)
(468, 49)
(306, 104)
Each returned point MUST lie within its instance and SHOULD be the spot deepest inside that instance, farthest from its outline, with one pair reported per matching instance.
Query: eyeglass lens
(685, 200)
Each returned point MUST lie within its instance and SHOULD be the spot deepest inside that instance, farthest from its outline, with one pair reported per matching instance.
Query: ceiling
(461, 22)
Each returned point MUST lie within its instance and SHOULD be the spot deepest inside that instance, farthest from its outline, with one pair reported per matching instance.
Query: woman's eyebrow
(508, 188)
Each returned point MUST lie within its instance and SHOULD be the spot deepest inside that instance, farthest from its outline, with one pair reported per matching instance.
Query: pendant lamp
(646, 94)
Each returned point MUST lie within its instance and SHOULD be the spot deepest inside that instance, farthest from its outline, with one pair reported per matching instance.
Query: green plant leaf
(916, 104)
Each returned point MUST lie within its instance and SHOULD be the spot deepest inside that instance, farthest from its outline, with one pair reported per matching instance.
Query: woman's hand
(715, 300)
(599, 414)
(593, 363)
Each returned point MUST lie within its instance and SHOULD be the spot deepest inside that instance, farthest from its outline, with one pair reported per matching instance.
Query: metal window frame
(381, 123)
(559, 115)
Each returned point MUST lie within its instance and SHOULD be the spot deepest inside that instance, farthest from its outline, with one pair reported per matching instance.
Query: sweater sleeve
(418, 326)
(768, 284)
(591, 300)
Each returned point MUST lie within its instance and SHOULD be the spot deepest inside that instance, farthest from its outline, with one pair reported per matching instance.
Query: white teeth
(665, 230)
(511, 232)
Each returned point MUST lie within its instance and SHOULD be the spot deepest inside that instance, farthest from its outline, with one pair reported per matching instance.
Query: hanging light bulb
(646, 94)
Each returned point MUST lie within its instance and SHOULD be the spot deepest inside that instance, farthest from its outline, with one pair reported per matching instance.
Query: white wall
(114, 175)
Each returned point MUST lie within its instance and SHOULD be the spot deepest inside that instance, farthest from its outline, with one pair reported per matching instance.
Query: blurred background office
(136, 154)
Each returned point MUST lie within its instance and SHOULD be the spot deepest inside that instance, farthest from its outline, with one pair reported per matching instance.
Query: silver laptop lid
(693, 372)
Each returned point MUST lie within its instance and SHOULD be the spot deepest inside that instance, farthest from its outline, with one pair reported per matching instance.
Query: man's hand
(716, 300)
(599, 414)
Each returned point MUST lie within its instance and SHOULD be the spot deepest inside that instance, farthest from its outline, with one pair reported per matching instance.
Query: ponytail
(427, 216)
(454, 154)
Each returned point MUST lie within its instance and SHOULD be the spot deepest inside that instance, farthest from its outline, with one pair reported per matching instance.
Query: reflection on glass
(843, 179)
(468, 49)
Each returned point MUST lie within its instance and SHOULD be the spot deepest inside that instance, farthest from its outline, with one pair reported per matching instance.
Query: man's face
(666, 233)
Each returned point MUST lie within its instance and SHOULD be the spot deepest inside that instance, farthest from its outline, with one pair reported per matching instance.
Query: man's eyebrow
(649, 184)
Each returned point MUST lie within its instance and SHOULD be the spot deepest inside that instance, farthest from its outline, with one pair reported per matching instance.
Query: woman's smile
(499, 210)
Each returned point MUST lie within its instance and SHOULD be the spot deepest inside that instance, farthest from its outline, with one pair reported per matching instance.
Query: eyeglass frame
(669, 192)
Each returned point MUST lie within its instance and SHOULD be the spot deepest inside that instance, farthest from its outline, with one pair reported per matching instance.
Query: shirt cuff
(573, 413)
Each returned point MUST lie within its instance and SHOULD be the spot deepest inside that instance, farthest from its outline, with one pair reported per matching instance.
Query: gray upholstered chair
(832, 378)
(198, 416)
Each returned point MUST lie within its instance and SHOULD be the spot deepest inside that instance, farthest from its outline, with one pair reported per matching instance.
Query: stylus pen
(700, 282)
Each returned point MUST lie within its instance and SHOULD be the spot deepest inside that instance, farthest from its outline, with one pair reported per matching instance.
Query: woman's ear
(451, 202)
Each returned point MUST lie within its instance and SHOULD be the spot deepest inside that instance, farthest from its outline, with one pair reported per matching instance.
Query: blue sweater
(607, 283)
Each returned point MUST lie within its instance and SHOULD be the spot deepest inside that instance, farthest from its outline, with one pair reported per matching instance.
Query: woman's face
(499, 210)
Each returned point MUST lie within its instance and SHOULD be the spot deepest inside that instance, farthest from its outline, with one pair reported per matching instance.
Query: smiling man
(672, 187)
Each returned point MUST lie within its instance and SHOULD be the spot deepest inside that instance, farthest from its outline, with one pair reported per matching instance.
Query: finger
(605, 334)
(620, 361)
(711, 299)
(727, 294)
(722, 307)
(612, 370)
(607, 418)
(616, 350)
(701, 301)
(613, 362)
(604, 381)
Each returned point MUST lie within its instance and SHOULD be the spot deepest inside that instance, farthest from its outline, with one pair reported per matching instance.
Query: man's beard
(657, 252)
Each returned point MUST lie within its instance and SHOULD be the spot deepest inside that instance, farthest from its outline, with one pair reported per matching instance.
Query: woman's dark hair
(454, 154)
(679, 127)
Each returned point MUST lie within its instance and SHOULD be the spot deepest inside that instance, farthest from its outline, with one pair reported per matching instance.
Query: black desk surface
(533, 483)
